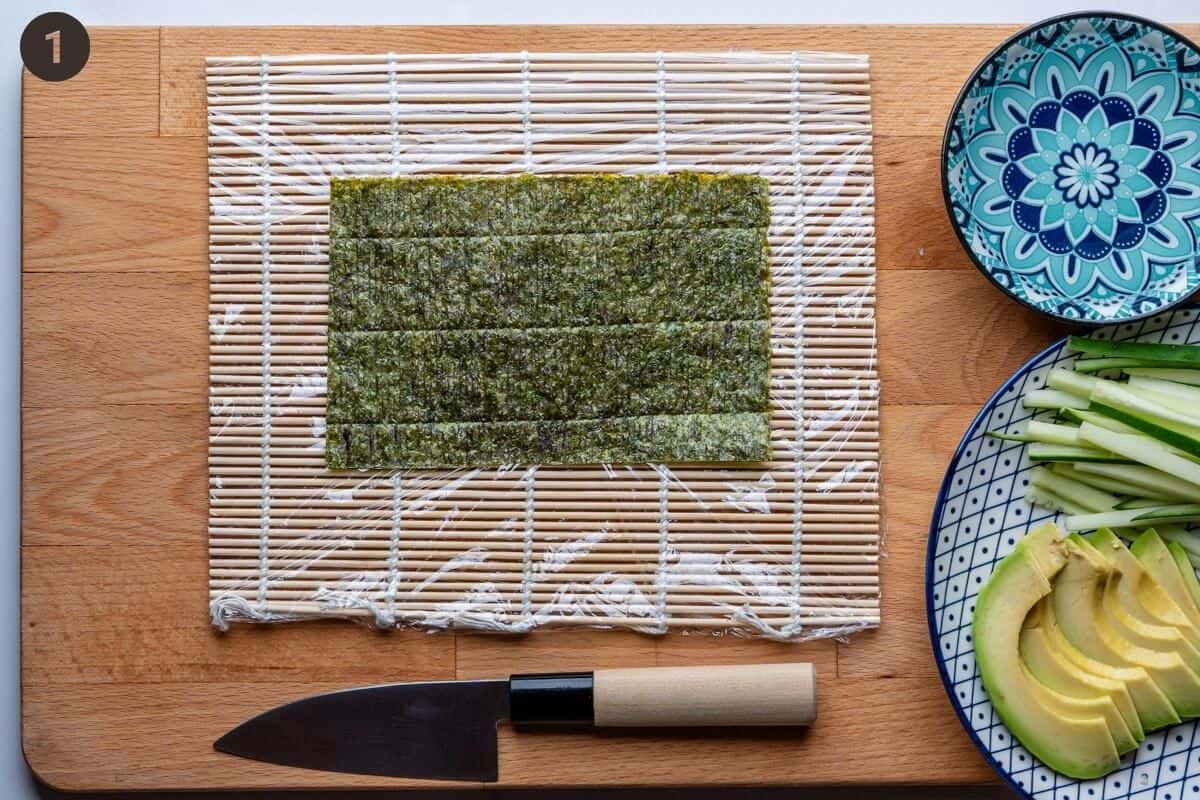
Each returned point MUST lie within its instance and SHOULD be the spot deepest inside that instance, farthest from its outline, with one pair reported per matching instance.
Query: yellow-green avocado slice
(1051, 726)
(1053, 669)
(1129, 617)
(1084, 619)
(1150, 599)
(1126, 596)
(1152, 552)
(1045, 547)
(1153, 708)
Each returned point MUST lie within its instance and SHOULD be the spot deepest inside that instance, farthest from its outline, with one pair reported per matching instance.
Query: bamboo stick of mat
(787, 549)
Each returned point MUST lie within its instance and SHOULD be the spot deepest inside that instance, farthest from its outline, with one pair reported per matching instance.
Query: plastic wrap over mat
(787, 549)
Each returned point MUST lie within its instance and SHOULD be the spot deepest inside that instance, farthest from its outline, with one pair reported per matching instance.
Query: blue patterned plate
(980, 514)
(1071, 167)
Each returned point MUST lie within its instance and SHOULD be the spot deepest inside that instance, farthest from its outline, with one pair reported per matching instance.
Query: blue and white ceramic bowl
(980, 514)
(1071, 167)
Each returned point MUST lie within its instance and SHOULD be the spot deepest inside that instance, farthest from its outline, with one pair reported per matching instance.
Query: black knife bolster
(555, 698)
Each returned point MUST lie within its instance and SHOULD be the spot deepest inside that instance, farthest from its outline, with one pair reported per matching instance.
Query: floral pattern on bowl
(1071, 167)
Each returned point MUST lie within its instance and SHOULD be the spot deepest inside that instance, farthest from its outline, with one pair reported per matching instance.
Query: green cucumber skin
(1122, 518)
(1011, 437)
(1166, 435)
(1090, 365)
(1176, 398)
(1180, 375)
(1145, 351)
(1144, 450)
(1139, 502)
(1104, 483)
(1175, 406)
(1182, 512)
(1080, 416)
(1144, 481)
(1099, 458)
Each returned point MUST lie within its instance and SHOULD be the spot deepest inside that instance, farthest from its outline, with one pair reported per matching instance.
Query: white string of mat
(265, 247)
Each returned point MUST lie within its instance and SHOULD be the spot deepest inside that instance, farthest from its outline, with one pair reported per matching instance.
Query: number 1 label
(43, 52)
(55, 39)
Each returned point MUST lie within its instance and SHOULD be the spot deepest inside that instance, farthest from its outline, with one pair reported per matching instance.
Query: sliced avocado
(1079, 608)
(1152, 552)
(1168, 603)
(1044, 546)
(1048, 724)
(1054, 670)
(1154, 709)
(1180, 556)
(1160, 638)
(1152, 611)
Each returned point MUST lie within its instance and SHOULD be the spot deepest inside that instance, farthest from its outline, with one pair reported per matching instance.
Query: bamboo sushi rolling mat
(786, 549)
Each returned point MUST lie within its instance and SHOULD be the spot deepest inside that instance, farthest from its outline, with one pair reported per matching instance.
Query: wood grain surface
(125, 683)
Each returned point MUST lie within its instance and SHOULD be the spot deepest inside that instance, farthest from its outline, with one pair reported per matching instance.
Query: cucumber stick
(1053, 434)
(1082, 495)
(1180, 512)
(1041, 451)
(1052, 398)
(1071, 382)
(1139, 480)
(1183, 559)
(1147, 351)
(1038, 431)
(1133, 517)
(1141, 449)
(1010, 437)
(1089, 365)
(1177, 396)
(1139, 502)
(1048, 499)
(1141, 400)
(1185, 541)
(1121, 454)
(1189, 377)
(1108, 423)
(1114, 486)
(1080, 416)
(1140, 411)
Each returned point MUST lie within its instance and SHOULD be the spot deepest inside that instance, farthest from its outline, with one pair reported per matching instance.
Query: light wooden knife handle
(725, 696)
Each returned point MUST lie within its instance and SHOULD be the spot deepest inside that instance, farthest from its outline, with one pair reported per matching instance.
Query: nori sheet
(476, 375)
(546, 280)
(446, 205)
(582, 319)
(738, 436)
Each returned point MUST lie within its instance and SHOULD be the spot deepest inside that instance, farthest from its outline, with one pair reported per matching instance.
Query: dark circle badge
(55, 46)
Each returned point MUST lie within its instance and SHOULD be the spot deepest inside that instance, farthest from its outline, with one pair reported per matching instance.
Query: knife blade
(446, 730)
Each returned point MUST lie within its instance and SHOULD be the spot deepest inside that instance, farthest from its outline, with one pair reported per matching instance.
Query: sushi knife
(447, 729)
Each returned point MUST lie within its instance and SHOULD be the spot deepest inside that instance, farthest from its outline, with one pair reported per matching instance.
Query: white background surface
(14, 14)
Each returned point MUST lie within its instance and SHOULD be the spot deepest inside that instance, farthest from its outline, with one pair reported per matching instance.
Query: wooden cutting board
(124, 682)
